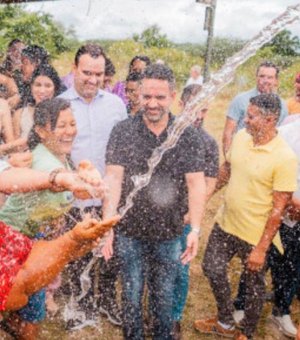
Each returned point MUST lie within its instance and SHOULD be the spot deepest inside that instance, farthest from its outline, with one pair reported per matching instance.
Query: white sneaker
(238, 316)
(285, 324)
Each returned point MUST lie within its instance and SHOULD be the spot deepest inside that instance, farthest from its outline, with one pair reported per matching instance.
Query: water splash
(209, 90)
(186, 118)
(72, 312)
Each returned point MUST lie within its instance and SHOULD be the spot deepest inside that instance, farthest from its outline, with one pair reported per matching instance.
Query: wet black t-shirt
(211, 154)
(158, 209)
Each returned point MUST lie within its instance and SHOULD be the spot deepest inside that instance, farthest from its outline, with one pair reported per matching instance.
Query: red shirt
(14, 250)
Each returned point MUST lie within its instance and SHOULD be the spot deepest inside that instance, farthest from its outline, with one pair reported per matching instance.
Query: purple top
(119, 90)
(68, 79)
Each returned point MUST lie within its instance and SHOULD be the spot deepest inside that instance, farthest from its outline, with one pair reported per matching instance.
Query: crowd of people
(70, 149)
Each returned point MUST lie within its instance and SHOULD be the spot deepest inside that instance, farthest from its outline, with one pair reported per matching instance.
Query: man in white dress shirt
(96, 112)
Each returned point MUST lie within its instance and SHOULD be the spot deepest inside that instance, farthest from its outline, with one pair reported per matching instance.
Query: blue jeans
(35, 310)
(153, 263)
(182, 281)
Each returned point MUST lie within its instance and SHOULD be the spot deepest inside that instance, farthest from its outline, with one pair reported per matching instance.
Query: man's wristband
(196, 230)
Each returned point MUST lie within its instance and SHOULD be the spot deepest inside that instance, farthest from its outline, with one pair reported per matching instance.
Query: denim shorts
(35, 310)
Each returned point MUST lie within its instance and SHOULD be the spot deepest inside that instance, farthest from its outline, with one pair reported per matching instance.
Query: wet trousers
(154, 264)
(104, 275)
(182, 281)
(285, 272)
(221, 248)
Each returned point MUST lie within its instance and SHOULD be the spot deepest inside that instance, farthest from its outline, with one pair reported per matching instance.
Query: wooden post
(209, 27)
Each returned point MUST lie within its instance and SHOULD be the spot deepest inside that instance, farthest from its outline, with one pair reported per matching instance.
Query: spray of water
(207, 94)
(186, 118)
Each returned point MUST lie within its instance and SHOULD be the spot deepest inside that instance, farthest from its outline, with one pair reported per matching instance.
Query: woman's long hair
(48, 71)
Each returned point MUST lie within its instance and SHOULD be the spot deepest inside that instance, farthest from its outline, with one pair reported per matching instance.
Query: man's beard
(151, 118)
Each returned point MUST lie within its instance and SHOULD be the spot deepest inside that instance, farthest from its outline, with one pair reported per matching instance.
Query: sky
(181, 20)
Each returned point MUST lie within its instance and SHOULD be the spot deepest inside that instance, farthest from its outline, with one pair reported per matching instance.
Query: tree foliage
(121, 52)
(285, 44)
(151, 37)
(222, 49)
(33, 28)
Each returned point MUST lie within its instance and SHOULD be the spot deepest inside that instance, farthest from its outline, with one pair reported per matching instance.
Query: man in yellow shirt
(261, 172)
(293, 103)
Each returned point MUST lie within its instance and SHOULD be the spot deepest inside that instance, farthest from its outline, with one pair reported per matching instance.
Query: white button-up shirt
(95, 121)
(291, 134)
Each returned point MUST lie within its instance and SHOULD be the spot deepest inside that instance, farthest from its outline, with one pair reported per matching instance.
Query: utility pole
(209, 27)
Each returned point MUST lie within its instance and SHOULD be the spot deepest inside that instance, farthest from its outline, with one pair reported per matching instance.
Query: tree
(285, 44)
(151, 37)
(32, 28)
(223, 48)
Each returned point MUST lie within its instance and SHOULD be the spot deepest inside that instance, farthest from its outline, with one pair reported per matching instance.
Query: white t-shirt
(192, 81)
(291, 134)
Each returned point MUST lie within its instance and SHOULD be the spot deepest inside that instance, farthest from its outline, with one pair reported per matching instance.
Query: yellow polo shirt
(256, 171)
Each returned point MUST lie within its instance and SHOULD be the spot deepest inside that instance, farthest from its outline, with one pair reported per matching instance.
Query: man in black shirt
(147, 239)
(211, 170)
(210, 145)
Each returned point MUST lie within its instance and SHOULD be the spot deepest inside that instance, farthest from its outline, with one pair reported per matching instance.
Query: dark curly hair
(46, 112)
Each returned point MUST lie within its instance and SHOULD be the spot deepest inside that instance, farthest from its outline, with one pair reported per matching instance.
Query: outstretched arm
(48, 258)
(25, 179)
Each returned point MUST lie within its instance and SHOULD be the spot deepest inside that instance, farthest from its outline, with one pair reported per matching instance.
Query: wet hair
(46, 112)
(93, 50)
(190, 92)
(8, 63)
(36, 54)
(4, 70)
(48, 71)
(134, 76)
(143, 58)
(268, 63)
(160, 72)
(268, 103)
(109, 68)
(14, 42)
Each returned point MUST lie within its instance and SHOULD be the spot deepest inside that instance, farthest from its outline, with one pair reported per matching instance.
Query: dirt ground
(200, 302)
